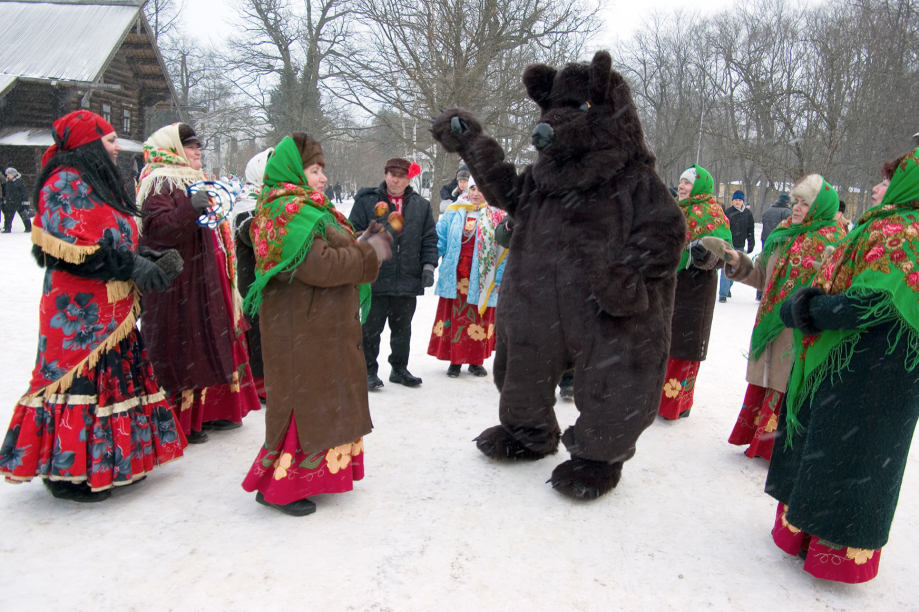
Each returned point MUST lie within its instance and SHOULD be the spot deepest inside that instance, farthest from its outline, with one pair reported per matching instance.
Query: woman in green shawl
(310, 291)
(696, 289)
(853, 396)
(790, 258)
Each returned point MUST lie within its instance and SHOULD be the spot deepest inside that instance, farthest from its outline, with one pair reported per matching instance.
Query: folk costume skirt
(824, 559)
(286, 474)
(461, 335)
(112, 426)
(757, 422)
(679, 386)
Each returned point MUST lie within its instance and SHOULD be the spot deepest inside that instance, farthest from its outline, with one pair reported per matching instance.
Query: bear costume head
(589, 127)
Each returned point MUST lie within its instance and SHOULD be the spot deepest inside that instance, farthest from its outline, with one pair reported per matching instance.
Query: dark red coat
(187, 327)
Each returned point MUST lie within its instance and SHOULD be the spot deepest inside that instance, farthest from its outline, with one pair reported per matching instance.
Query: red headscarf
(75, 129)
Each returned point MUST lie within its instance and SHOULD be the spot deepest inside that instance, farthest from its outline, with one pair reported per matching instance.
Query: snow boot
(477, 370)
(374, 382)
(497, 443)
(301, 507)
(454, 370)
(585, 479)
(75, 491)
(402, 376)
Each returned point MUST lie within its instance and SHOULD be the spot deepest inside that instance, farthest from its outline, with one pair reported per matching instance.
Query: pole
(701, 120)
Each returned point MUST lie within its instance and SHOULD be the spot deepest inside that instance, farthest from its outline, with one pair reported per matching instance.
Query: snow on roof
(5, 81)
(43, 138)
(70, 41)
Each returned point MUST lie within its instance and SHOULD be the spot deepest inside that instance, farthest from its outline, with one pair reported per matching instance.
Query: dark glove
(148, 276)
(504, 231)
(696, 251)
(796, 310)
(169, 260)
(200, 200)
(427, 277)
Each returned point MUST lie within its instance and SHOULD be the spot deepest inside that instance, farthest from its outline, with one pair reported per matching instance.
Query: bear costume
(590, 274)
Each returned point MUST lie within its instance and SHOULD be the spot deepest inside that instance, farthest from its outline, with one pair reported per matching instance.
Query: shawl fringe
(71, 253)
(118, 290)
(62, 384)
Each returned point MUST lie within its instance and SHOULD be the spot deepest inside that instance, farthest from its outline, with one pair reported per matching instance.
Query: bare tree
(163, 16)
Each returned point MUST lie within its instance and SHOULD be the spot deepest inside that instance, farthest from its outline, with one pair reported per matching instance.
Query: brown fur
(590, 273)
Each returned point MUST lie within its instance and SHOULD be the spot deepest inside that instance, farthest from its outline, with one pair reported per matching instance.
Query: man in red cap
(402, 278)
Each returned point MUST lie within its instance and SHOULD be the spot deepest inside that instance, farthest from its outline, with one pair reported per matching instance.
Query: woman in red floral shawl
(94, 416)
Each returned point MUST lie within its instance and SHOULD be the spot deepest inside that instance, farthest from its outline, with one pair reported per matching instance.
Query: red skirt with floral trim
(287, 474)
(679, 386)
(757, 422)
(111, 427)
(461, 335)
(825, 560)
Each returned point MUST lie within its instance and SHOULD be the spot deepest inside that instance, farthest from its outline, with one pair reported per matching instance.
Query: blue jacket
(449, 240)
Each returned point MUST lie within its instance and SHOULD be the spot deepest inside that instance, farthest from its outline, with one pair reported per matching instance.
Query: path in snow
(434, 525)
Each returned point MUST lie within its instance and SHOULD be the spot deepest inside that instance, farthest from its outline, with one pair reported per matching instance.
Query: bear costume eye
(585, 106)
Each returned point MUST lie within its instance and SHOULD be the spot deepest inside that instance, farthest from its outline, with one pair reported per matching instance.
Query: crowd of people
(285, 305)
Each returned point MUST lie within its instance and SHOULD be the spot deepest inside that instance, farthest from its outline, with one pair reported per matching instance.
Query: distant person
(402, 278)
(462, 184)
(15, 202)
(741, 220)
(449, 191)
(337, 190)
(775, 214)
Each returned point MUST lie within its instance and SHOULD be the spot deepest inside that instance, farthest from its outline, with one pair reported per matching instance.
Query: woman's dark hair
(95, 166)
(891, 165)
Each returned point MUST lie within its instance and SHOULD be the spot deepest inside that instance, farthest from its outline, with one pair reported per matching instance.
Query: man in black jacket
(741, 220)
(402, 278)
(16, 201)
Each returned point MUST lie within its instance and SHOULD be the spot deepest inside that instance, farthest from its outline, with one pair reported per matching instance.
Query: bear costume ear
(538, 79)
(600, 69)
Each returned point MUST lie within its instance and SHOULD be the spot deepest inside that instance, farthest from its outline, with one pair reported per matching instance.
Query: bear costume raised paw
(590, 273)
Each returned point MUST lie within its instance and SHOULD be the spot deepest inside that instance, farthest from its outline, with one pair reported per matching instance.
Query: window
(127, 122)
(107, 112)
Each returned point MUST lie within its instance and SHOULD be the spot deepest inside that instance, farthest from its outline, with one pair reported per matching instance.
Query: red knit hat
(76, 129)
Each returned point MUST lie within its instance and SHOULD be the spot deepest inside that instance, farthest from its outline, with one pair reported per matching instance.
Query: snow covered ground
(434, 525)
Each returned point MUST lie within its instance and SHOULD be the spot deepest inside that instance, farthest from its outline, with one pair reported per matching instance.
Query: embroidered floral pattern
(438, 329)
(476, 332)
(338, 458)
(672, 388)
(281, 465)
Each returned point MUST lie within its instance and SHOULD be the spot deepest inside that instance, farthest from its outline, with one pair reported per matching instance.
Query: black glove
(696, 251)
(427, 277)
(749, 249)
(796, 310)
(200, 200)
(148, 276)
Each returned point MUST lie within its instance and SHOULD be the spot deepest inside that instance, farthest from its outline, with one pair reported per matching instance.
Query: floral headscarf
(879, 256)
(288, 216)
(801, 248)
(166, 163)
(704, 217)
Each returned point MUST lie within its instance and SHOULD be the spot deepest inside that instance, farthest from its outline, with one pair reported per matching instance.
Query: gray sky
(620, 17)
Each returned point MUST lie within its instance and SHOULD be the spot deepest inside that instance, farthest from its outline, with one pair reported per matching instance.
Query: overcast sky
(621, 17)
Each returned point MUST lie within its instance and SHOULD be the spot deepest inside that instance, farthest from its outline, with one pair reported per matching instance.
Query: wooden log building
(57, 56)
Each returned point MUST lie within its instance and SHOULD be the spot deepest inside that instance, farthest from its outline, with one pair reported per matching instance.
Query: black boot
(402, 376)
(477, 370)
(196, 437)
(220, 425)
(301, 507)
(374, 382)
(454, 370)
(75, 491)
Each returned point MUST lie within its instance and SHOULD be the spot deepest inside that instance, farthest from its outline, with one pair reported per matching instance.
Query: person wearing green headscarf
(791, 256)
(852, 403)
(697, 286)
(311, 290)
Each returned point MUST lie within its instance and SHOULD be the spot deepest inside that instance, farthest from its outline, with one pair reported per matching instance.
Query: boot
(75, 491)
(374, 382)
(220, 425)
(402, 376)
(196, 437)
(454, 370)
(477, 370)
(585, 479)
(301, 507)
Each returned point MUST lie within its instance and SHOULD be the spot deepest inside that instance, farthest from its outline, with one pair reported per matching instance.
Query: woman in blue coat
(471, 267)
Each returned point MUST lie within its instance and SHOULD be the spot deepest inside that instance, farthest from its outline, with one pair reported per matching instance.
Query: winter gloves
(200, 200)
(738, 270)
(504, 231)
(427, 276)
(812, 311)
(154, 270)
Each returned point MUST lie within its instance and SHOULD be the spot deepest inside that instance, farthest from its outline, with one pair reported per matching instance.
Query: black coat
(412, 249)
(774, 215)
(446, 192)
(16, 194)
(741, 227)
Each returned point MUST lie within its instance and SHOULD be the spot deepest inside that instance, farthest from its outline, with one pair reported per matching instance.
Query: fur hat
(397, 165)
(463, 175)
(738, 195)
(12, 171)
(808, 188)
(690, 175)
(310, 150)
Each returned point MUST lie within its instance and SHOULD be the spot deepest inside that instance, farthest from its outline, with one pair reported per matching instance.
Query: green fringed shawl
(800, 250)
(289, 214)
(879, 257)
(704, 217)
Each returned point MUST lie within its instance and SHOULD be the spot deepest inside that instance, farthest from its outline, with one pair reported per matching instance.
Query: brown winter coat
(188, 330)
(311, 346)
(773, 367)
(694, 308)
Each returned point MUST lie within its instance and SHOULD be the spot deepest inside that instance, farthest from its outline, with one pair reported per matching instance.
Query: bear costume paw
(497, 443)
(585, 479)
(455, 127)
